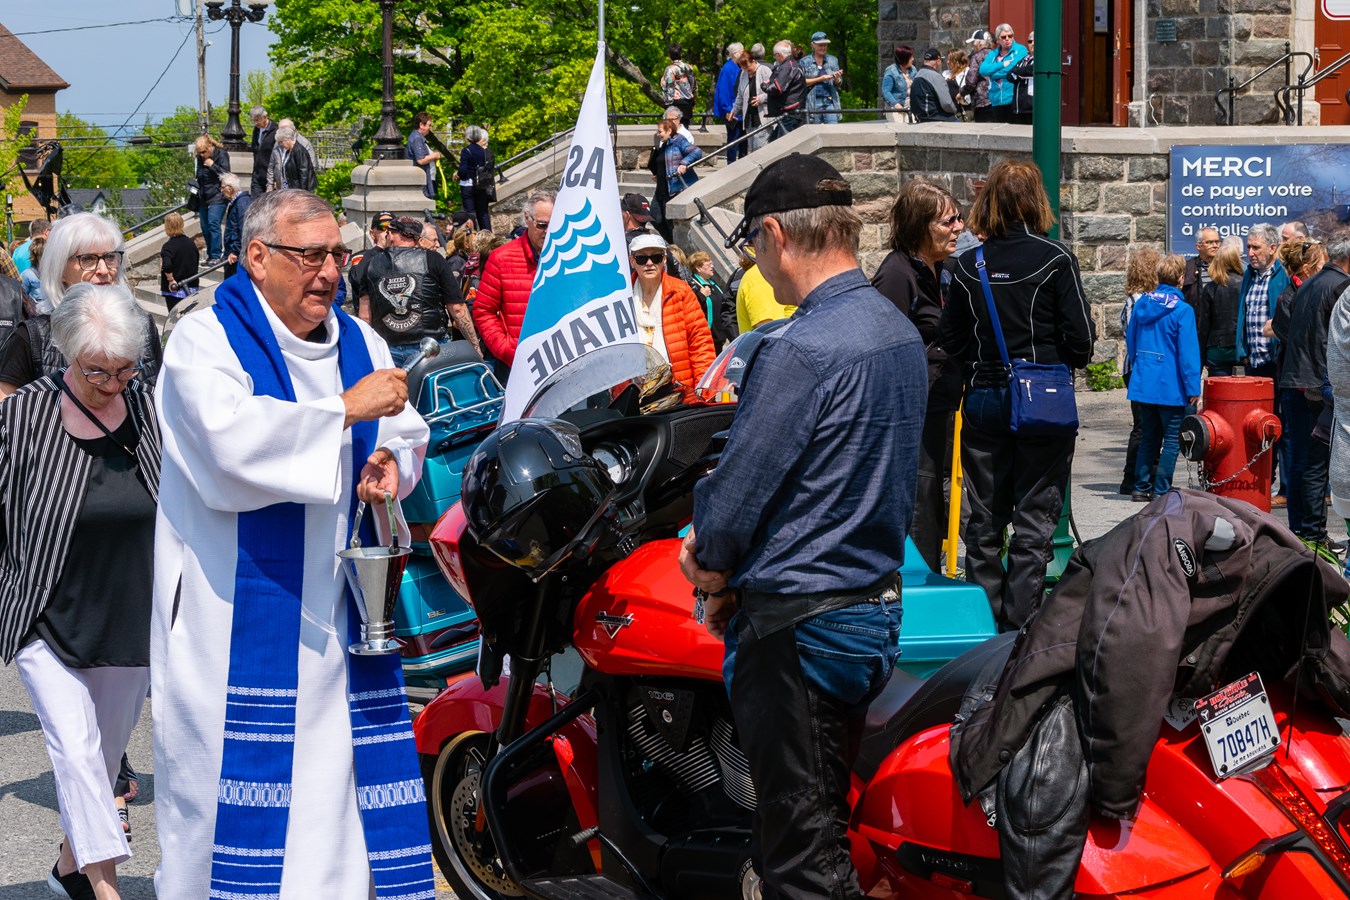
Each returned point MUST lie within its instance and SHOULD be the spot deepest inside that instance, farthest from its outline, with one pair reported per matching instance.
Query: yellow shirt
(755, 302)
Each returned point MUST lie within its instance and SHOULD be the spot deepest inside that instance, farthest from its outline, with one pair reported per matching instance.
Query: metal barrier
(204, 272)
(1228, 115)
(132, 230)
(1304, 83)
(809, 115)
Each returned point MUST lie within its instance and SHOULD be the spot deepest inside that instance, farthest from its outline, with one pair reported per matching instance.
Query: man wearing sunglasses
(279, 412)
(504, 290)
(411, 293)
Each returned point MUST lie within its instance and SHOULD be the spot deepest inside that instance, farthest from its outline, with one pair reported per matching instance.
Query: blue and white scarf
(253, 804)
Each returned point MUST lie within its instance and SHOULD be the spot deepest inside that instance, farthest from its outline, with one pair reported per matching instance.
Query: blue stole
(253, 803)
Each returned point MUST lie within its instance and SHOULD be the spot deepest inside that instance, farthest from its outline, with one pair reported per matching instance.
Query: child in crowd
(1164, 360)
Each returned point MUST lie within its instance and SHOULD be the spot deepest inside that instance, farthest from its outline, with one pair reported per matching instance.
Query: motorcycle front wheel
(467, 856)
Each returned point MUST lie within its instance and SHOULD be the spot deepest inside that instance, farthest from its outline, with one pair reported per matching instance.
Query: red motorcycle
(634, 787)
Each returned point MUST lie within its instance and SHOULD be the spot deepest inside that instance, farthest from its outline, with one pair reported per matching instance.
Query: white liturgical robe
(227, 451)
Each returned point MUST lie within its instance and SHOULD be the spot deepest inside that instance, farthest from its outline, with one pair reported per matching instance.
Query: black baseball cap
(797, 181)
(637, 206)
(931, 53)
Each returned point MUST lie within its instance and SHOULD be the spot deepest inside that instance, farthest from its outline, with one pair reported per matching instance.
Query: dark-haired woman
(925, 223)
(895, 84)
(1011, 479)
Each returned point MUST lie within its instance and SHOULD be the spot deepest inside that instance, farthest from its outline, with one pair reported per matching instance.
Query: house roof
(22, 70)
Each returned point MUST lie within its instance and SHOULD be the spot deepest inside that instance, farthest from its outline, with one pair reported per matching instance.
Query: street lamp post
(388, 140)
(236, 15)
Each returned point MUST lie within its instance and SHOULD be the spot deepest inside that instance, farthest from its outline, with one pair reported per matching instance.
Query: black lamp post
(388, 140)
(236, 15)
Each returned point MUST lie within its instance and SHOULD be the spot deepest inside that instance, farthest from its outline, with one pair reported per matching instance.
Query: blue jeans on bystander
(1157, 443)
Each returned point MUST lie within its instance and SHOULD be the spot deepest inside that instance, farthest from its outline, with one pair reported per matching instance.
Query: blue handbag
(1042, 401)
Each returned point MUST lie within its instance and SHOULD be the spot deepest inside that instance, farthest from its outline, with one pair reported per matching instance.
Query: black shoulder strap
(131, 414)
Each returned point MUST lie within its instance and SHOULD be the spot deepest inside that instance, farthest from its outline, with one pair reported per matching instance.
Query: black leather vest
(46, 357)
(406, 304)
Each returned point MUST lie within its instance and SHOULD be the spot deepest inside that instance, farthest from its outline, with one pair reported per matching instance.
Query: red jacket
(503, 294)
(684, 326)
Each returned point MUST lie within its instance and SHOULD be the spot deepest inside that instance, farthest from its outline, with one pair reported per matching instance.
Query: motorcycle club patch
(1186, 556)
(399, 291)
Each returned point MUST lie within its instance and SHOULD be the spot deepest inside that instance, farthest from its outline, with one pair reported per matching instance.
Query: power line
(93, 27)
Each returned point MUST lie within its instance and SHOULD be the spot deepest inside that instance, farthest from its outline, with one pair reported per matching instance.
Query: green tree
(93, 160)
(519, 66)
(161, 155)
(10, 145)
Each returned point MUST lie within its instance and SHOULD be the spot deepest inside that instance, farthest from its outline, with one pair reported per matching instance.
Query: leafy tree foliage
(92, 160)
(519, 66)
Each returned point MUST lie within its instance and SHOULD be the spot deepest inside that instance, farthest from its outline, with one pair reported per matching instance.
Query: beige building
(22, 72)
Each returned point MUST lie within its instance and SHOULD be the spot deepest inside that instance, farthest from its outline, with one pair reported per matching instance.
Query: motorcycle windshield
(725, 377)
(603, 379)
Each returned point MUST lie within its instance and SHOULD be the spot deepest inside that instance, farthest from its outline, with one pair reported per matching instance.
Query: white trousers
(87, 716)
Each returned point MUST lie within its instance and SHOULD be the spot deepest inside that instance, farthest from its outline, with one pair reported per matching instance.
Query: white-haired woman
(79, 477)
(238, 202)
(296, 164)
(212, 162)
(475, 164)
(81, 248)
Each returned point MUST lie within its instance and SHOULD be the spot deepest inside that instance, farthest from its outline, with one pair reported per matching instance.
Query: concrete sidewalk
(1099, 460)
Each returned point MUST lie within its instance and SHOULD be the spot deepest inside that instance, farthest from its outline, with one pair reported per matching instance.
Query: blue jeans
(735, 130)
(211, 217)
(1157, 443)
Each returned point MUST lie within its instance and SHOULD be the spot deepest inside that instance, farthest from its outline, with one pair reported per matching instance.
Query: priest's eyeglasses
(313, 257)
(98, 376)
(88, 262)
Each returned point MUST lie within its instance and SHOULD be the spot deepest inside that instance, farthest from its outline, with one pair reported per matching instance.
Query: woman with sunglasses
(79, 477)
(669, 317)
(925, 225)
(84, 247)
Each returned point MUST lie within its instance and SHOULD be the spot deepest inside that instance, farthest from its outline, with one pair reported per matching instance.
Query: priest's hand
(378, 477)
(381, 393)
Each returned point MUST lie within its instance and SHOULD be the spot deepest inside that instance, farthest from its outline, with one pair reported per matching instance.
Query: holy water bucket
(374, 575)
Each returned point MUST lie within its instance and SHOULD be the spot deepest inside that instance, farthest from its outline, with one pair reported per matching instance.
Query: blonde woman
(212, 162)
(1219, 309)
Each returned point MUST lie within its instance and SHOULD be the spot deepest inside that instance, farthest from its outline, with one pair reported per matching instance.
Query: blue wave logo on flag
(578, 261)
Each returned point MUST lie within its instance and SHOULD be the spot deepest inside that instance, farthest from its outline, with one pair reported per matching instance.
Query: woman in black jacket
(1011, 479)
(1219, 309)
(178, 261)
(475, 164)
(925, 223)
(212, 162)
(297, 170)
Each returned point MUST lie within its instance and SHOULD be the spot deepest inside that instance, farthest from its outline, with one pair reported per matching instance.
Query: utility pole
(201, 67)
(1045, 112)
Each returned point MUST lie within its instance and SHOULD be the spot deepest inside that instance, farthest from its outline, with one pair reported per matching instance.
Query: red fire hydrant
(1233, 438)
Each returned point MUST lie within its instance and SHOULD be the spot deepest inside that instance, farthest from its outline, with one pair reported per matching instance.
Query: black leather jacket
(1302, 326)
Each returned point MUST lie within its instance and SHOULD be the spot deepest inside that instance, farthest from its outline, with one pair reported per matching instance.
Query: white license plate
(1238, 725)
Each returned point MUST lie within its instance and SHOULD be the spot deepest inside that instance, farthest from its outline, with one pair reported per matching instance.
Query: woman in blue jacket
(997, 67)
(1164, 362)
(679, 155)
(895, 84)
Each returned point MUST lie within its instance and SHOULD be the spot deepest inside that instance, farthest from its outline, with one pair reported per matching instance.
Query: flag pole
(602, 21)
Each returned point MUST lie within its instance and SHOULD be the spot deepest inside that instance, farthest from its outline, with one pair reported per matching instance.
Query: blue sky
(111, 68)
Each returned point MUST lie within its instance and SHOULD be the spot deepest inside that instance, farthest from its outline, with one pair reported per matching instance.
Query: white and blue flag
(581, 301)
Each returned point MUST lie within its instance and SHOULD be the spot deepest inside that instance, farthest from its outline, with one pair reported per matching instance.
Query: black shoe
(74, 886)
(1141, 497)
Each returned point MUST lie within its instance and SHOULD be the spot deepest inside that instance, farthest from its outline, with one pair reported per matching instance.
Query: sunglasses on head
(644, 259)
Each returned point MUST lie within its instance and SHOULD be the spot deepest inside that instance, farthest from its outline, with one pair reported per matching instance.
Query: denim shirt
(815, 490)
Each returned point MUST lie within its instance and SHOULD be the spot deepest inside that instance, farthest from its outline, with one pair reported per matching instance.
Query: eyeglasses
(1308, 245)
(542, 226)
(98, 376)
(314, 257)
(951, 220)
(649, 259)
(88, 262)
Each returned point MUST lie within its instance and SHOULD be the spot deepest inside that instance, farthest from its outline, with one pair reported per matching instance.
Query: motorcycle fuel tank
(638, 619)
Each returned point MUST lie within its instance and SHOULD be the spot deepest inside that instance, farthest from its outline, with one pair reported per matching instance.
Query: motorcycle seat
(453, 353)
(908, 705)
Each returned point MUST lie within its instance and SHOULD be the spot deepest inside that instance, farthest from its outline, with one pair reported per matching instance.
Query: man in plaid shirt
(1262, 284)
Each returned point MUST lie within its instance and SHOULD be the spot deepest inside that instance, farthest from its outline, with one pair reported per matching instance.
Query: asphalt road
(28, 818)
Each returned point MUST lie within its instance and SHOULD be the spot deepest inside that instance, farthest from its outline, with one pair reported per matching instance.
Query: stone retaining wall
(1113, 197)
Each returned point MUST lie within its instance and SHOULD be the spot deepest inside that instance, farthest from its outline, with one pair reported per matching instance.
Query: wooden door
(1123, 69)
(1332, 38)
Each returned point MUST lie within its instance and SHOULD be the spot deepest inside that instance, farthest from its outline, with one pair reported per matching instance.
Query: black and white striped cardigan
(43, 479)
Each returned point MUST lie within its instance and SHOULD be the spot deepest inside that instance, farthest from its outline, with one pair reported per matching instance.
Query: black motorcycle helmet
(533, 497)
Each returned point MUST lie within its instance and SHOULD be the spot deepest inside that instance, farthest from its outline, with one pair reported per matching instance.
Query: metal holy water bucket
(374, 575)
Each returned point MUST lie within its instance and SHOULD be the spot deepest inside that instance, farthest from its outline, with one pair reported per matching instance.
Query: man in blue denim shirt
(799, 531)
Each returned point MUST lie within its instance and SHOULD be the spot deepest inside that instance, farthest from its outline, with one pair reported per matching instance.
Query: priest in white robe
(260, 787)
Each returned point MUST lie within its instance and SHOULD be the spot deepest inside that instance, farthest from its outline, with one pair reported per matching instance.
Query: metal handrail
(713, 154)
(1304, 83)
(131, 231)
(1228, 115)
(500, 166)
(207, 271)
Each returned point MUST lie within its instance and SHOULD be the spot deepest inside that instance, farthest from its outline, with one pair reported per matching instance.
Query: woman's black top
(179, 258)
(1220, 304)
(471, 159)
(911, 285)
(99, 611)
(208, 178)
(1040, 302)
